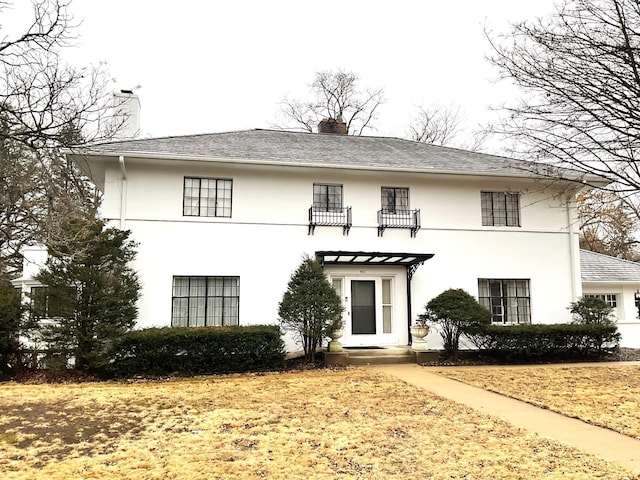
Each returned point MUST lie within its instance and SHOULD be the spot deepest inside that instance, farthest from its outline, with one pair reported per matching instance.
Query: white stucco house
(617, 282)
(223, 219)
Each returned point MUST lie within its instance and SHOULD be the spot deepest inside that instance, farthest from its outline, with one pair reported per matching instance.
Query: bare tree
(43, 99)
(581, 74)
(609, 224)
(19, 205)
(336, 95)
(436, 124)
(441, 125)
(45, 104)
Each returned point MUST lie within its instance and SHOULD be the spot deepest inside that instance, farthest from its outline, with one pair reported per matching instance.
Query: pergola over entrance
(411, 261)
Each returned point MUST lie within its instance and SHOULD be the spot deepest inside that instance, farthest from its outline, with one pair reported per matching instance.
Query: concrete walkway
(598, 441)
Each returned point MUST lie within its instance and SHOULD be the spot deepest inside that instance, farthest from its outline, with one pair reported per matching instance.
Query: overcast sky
(209, 66)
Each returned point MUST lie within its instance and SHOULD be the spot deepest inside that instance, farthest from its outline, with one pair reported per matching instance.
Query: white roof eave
(611, 282)
(288, 163)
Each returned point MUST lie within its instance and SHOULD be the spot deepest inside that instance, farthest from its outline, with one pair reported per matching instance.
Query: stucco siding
(282, 195)
(625, 313)
(266, 236)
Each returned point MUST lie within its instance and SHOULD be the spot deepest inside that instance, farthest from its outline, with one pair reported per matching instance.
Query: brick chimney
(331, 125)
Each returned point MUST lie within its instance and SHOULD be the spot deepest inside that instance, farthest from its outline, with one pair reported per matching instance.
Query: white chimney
(126, 115)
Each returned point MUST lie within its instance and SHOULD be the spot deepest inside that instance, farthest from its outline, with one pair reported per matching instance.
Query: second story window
(327, 209)
(207, 197)
(395, 211)
(500, 209)
(395, 200)
(327, 198)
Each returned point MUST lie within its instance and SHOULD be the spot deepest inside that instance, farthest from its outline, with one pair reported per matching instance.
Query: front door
(363, 307)
(368, 310)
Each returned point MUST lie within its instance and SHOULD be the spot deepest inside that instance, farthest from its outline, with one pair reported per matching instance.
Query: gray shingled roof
(275, 146)
(596, 267)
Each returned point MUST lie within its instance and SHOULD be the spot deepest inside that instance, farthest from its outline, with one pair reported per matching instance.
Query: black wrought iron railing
(399, 219)
(335, 217)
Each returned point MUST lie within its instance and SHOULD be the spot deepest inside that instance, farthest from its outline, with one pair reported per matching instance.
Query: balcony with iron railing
(398, 219)
(333, 217)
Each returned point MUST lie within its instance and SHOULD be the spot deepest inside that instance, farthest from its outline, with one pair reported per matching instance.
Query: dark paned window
(327, 198)
(394, 200)
(46, 303)
(500, 209)
(509, 301)
(207, 197)
(205, 301)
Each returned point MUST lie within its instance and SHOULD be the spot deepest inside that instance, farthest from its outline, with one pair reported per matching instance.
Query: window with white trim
(387, 305)
(610, 298)
(336, 283)
(500, 209)
(509, 301)
(207, 197)
(205, 301)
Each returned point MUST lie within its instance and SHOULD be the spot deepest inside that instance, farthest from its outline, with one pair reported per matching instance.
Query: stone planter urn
(334, 344)
(418, 332)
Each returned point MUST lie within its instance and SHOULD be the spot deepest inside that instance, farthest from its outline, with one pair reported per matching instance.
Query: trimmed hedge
(197, 350)
(524, 342)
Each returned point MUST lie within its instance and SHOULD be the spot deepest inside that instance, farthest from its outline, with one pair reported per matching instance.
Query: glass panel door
(363, 307)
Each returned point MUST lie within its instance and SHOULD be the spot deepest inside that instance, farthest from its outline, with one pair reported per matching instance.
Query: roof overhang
(84, 154)
(339, 257)
(382, 259)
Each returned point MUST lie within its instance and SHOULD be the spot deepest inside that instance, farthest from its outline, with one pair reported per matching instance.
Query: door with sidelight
(368, 314)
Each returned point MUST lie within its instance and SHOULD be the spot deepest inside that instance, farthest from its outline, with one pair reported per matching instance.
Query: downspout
(409, 276)
(572, 250)
(123, 193)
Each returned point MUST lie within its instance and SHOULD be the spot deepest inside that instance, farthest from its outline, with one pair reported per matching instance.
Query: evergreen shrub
(533, 342)
(310, 308)
(454, 311)
(11, 310)
(186, 351)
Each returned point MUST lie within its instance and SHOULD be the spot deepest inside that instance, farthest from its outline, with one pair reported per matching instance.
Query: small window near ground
(205, 301)
(500, 209)
(610, 298)
(46, 303)
(509, 301)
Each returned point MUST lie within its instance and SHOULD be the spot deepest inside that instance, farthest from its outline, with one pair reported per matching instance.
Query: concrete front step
(380, 359)
(378, 351)
(378, 356)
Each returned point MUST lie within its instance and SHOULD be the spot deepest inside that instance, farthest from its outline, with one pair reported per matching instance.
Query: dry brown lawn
(340, 424)
(608, 396)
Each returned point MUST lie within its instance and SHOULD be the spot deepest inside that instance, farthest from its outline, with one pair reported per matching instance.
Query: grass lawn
(338, 424)
(608, 396)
